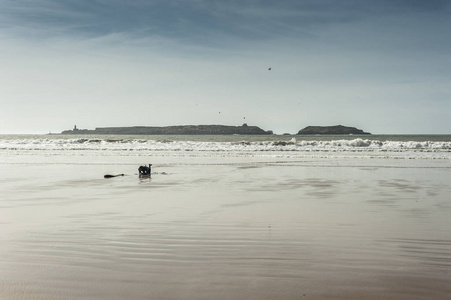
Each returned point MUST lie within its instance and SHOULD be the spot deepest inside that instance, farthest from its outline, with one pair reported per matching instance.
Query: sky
(383, 66)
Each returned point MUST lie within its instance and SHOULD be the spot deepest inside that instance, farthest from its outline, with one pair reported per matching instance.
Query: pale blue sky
(380, 65)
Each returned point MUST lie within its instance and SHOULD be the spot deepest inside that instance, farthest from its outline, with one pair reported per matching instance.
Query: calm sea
(231, 138)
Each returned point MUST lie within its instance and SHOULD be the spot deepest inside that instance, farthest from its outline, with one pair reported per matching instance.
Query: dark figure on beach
(144, 170)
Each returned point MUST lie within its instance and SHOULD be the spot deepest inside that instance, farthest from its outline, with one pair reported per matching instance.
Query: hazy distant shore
(212, 130)
(175, 130)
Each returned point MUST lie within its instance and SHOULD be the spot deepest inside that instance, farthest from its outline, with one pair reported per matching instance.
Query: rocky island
(173, 130)
(338, 129)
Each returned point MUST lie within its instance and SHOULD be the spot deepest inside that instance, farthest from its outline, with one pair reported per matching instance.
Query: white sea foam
(128, 146)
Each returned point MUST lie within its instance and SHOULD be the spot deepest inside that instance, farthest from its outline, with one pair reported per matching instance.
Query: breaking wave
(168, 145)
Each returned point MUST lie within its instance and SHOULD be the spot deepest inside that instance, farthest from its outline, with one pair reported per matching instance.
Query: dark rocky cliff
(176, 130)
(338, 129)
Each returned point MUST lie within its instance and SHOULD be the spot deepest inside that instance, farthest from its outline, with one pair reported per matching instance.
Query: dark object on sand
(145, 170)
(110, 176)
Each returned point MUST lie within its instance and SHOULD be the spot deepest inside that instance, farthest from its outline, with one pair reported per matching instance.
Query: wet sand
(225, 228)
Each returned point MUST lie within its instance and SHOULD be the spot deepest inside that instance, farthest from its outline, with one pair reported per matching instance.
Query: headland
(212, 130)
(337, 129)
(173, 130)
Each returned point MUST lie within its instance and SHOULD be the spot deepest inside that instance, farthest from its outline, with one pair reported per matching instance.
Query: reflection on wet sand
(228, 231)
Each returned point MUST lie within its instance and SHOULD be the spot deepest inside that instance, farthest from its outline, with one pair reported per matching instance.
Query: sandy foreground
(225, 228)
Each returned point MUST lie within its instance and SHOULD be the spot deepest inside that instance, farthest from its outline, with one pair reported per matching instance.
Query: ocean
(225, 217)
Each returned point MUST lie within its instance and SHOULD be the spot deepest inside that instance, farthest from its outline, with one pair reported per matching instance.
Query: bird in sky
(269, 69)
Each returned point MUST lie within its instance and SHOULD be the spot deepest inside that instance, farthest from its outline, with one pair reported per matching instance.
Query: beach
(233, 219)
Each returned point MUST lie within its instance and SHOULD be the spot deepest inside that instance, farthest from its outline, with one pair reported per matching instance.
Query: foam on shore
(244, 146)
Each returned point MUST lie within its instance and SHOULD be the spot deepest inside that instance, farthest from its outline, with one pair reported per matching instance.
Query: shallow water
(224, 227)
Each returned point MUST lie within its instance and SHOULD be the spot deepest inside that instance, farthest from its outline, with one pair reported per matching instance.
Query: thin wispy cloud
(358, 59)
(246, 19)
